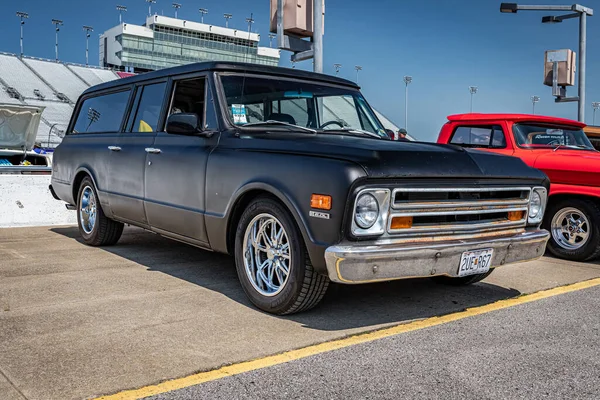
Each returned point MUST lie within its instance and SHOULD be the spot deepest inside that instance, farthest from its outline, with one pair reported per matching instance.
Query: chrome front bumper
(364, 262)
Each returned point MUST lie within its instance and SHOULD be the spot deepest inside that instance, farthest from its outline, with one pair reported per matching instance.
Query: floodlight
(508, 7)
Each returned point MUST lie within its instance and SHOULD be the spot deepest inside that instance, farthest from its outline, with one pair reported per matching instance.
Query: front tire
(574, 226)
(95, 228)
(272, 262)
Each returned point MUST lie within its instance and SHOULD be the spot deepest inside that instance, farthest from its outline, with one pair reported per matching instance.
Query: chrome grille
(458, 209)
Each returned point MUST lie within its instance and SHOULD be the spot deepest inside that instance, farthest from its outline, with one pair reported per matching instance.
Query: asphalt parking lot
(78, 322)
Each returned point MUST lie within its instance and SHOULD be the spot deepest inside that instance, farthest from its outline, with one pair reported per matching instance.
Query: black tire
(463, 280)
(105, 231)
(304, 287)
(591, 249)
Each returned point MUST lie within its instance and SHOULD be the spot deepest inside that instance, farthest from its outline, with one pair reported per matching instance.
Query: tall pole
(121, 9)
(227, 17)
(202, 11)
(595, 106)
(57, 22)
(87, 30)
(407, 79)
(318, 35)
(582, 49)
(176, 6)
(337, 68)
(534, 99)
(249, 21)
(22, 15)
(357, 68)
(150, 2)
(472, 90)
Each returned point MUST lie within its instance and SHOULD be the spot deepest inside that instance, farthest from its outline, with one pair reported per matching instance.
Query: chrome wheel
(87, 210)
(267, 254)
(570, 228)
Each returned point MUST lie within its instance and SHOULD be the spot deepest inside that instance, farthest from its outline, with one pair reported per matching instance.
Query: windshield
(544, 136)
(256, 101)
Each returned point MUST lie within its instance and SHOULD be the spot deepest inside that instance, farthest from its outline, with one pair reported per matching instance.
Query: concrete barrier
(25, 200)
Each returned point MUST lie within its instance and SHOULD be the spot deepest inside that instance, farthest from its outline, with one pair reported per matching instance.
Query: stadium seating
(59, 77)
(16, 74)
(93, 76)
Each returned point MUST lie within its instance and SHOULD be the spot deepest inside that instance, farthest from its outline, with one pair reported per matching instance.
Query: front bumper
(363, 262)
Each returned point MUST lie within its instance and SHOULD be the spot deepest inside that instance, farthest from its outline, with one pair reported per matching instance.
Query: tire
(102, 231)
(302, 288)
(585, 223)
(463, 280)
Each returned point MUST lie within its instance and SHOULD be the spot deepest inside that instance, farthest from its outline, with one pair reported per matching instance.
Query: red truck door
(490, 137)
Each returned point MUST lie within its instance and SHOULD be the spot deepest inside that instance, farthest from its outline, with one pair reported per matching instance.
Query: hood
(393, 159)
(575, 167)
(18, 126)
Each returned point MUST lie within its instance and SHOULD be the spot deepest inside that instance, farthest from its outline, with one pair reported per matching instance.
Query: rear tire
(574, 226)
(267, 244)
(463, 280)
(95, 228)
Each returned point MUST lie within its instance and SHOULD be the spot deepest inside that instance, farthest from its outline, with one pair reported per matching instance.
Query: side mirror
(183, 124)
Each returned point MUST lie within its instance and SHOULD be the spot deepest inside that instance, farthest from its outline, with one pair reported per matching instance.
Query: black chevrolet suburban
(292, 173)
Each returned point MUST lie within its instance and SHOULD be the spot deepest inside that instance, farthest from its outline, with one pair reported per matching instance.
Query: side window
(150, 105)
(102, 113)
(189, 97)
(479, 136)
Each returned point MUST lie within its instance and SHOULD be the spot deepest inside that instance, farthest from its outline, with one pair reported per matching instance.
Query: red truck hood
(574, 167)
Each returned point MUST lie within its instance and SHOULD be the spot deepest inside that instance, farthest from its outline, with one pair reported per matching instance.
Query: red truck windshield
(545, 136)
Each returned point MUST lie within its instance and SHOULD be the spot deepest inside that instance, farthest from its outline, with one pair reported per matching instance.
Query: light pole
(357, 68)
(87, 30)
(534, 99)
(407, 79)
(176, 6)
(337, 68)
(249, 21)
(150, 2)
(56, 23)
(580, 12)
(202, 12)
(271, 37)
(595, 106)
(472, 90)
(121, 9)
(227, 17)
(23, 16)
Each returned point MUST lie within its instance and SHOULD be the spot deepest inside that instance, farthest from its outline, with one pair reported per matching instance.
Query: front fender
(561, 188)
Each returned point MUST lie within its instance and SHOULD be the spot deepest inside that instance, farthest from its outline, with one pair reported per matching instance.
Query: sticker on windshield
(239, 113)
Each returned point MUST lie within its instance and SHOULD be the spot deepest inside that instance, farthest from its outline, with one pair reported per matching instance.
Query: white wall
(25, 200)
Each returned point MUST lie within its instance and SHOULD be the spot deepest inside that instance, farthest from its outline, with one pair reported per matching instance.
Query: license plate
(475, 262)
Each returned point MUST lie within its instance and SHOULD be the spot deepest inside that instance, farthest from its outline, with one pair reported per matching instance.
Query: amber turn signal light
(516, 215)
(320, 201)
(402, 222)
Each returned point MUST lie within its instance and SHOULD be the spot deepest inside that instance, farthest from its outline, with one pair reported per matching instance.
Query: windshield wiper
(354, 130)
(579, 146)
(274, 122)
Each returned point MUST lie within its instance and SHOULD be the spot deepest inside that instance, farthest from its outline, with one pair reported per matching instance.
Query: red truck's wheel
(574, 226)
(272, 262)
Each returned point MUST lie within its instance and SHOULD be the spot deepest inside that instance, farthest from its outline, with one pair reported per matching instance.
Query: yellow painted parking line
(292, 355)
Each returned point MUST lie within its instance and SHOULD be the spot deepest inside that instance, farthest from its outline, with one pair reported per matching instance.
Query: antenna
(22, 15)
(227, 17)
(176, 6)
(87, 30)
(150, 2)
(202, 11)
(337, 68)
(121, 9)
(56, 23)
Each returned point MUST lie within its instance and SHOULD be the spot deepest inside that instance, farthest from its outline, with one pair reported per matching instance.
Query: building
(164, 42)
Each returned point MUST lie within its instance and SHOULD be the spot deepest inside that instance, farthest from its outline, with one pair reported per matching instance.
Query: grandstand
(53, 85)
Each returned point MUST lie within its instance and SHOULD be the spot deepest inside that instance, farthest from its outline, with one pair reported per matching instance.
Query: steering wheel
(331, 122)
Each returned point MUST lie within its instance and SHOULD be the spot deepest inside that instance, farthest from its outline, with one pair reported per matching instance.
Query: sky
(445, 45)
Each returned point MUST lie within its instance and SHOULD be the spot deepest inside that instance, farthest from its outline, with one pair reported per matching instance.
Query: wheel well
(238, 209)
(565, 196)
(76, 182)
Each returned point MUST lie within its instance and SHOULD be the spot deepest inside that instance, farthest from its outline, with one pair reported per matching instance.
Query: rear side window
(146, 118)
(479, 136)
(102, 113)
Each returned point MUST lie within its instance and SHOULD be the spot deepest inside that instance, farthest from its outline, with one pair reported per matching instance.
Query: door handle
(114, 148)
(152, 150)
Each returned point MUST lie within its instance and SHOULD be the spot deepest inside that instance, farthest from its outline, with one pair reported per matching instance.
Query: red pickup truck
(558, 147)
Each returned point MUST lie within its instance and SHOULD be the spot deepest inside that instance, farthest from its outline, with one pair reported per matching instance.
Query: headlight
(367, 211)
(537, 205)
(370, 212)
